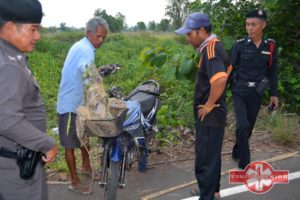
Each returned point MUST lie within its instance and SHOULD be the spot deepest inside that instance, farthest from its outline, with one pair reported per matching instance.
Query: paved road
(164, 179)
(290, 191)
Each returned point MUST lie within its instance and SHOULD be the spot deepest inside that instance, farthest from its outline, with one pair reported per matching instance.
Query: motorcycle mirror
(108, 69)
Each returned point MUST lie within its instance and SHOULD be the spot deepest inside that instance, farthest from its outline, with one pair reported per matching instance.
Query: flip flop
(81, 189)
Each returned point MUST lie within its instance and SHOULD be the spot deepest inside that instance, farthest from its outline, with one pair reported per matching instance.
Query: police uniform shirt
(213, 65)
(23, 114)
(251, 64)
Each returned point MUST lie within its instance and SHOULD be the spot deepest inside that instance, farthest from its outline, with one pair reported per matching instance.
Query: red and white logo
(259, 177)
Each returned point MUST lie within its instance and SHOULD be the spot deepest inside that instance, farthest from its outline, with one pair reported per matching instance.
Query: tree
(116, 24)
(152, 26)
(120, 21)
(226, 15)
(164, 25)
(63, 27)
(141, 26)
(177, 11)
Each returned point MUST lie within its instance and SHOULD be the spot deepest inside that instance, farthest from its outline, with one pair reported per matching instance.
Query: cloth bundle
(100, 116)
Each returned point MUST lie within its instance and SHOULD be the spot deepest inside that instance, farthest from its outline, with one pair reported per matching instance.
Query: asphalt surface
(174, 181)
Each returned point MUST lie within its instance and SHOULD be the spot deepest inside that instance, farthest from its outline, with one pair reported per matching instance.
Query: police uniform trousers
(246, 102)
(208, 148)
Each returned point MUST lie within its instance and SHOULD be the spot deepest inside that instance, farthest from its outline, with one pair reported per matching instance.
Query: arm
(13, 124)
(50, 155)
(274, 80)
(216, 90)
(233, 59)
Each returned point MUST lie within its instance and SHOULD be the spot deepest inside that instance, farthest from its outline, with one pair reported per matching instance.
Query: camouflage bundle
(100, 116)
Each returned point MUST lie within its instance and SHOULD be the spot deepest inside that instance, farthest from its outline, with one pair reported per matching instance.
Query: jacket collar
(205, 43)
(15, 55)
(12, 52)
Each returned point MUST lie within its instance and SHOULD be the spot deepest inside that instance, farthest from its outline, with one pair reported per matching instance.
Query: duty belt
(248, 84)
(8, 153)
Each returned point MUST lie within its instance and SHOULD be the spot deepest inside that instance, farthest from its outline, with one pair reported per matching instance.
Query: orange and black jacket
(213, 65)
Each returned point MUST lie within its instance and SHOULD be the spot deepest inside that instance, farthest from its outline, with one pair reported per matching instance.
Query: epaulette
(241, 40)
(271, 40)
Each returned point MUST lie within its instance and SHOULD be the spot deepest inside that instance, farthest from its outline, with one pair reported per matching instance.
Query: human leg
(86, 164)
(241, 150)
(70, 141)
(253, 106)
(71, 163)
(208, 160)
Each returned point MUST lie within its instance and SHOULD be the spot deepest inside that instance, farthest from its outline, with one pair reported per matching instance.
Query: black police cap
(257, 14)
(21, 11)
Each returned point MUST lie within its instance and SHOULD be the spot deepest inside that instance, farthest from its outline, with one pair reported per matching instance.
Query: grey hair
(93, 23)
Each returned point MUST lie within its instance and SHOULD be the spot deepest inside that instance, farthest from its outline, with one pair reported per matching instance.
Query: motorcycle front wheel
(111, 188)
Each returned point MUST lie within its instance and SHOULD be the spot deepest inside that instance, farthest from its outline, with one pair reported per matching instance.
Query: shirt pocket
(247, 55)
(265, 57)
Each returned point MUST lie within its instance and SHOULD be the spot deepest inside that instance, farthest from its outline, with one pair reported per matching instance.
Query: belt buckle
(251, 84)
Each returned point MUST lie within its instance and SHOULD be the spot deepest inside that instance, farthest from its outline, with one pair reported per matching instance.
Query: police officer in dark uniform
(22, 111)
(254, 61)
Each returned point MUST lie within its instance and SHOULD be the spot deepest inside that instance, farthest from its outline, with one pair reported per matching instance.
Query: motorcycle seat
(145, 95)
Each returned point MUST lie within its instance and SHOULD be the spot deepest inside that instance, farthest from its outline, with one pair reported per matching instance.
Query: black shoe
(235, 154)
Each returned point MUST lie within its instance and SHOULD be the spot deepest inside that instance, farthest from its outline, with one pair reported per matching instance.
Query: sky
(77, 12)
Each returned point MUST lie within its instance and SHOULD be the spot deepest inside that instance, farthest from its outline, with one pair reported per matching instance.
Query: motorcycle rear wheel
(111, 188)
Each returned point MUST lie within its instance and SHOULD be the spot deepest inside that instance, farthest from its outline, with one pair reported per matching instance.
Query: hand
(51, 154)
(274, 101)
(203, 110)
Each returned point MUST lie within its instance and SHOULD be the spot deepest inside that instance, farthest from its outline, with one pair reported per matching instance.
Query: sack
(27, 161)
(262, 86)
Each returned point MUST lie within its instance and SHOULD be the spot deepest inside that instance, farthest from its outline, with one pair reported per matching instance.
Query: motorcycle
(119, 152)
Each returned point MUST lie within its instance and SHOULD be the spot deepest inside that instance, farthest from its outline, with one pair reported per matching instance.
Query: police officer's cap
(257, 14)
(21, 11)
